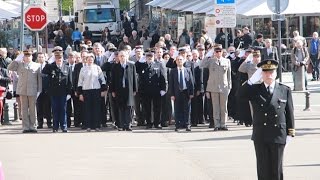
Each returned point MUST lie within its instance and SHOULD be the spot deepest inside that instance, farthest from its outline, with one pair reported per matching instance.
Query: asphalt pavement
(158, 154)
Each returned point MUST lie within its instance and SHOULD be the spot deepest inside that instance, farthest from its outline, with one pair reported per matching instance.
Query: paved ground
(151, 154)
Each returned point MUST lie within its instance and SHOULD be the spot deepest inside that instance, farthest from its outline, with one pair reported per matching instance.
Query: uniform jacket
(272, 116)
(219, 74)
(30, 81)
(174, 82)
(272, 55)
(248, 67)
(59, 79)
(151, 78)
(117, 74)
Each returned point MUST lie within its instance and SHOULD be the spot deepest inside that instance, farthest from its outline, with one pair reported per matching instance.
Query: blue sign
(224, 2)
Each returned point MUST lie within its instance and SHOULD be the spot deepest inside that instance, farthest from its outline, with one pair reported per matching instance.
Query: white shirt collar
(271, 85)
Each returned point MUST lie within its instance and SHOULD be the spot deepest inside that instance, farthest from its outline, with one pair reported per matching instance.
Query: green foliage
(65, 6)
(124, 4)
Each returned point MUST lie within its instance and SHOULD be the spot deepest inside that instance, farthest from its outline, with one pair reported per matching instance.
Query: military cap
(268, 65)
(256, 53)
(27, 51)
(112, 47)
(57, 51)
(217, 47)
(182, 49)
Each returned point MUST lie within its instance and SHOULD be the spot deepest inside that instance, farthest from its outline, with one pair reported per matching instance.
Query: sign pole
(279, 41)
(22, 26)
(37, 41)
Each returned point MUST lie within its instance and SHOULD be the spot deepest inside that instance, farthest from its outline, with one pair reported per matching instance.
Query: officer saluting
(152, 86)
(273, 118)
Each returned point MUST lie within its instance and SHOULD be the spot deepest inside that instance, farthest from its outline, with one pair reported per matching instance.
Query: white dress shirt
(184, 82)
(89, 77)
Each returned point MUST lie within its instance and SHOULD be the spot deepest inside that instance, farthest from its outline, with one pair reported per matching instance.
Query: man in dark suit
(152, 87)
(59, 88)
(269, 52)
(124, 87)
(181, 88)
(100, 59)
(273, 119)
(43, 100)
(70, 103)
(77, 104)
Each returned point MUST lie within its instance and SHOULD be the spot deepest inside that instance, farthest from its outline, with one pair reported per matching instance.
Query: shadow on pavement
(303, 165)
(245, 137)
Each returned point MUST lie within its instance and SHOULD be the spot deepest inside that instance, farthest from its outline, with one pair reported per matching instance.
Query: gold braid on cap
(269, 66)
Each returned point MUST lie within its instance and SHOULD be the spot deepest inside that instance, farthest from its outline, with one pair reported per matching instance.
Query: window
(102, 15)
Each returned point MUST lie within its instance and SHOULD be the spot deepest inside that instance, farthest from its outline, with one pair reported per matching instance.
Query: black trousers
(269, 160)
(78, 111)
(197, 110)
(207, 110)
(69, 110)
(92, 107)
(44, 108)
(114, 110)
(124, 117)
(138, 108)
(156, 102)
(103, 112)
(182, 109)
(166, 109)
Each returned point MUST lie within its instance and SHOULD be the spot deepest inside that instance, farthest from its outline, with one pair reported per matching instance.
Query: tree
(66, 4)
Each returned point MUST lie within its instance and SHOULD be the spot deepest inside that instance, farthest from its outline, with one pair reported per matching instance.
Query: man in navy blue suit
(181, 90)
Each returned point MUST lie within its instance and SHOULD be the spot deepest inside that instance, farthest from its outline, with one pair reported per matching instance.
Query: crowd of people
(141, 77)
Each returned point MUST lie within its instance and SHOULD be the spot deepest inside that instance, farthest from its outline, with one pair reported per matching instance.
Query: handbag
(310, 68)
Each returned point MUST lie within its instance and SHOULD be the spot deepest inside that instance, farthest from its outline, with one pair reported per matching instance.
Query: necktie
(181, 81)
(268, 90)
(124, 76)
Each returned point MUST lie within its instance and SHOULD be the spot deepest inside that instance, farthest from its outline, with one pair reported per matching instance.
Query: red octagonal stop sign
(35, 18)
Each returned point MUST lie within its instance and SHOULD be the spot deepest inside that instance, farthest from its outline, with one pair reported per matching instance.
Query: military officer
(219, 85)
(152, 87)
(273, 118)
(59, 89)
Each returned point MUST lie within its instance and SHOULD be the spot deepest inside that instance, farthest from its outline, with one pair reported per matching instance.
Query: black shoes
(64, 131)
(104, 125)
(164, 125)
(176, 129)
(30, 131)
(158, 126)
(223, 129)
(49, 126)
(211, 125)
(54, 130)
(188, 128)
(216, 129)
(40, 127)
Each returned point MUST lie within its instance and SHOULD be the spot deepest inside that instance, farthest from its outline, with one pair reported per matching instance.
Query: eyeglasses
(217, 51)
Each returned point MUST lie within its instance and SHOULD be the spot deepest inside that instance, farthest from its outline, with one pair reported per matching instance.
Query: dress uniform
(29, 85)
(273, 119)
(152, 86)
(219, 85)
(59, 88)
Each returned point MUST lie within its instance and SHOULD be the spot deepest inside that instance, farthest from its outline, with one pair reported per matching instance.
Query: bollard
(6, 114)
(1, 172)
(307, 101)
(15, 111)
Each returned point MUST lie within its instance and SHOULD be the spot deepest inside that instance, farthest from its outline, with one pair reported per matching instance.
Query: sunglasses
(217, 51)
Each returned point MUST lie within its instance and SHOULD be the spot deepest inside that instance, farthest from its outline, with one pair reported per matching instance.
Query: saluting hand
(173, 98)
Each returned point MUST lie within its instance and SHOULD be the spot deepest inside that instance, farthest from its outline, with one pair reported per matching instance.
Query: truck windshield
(101, 15)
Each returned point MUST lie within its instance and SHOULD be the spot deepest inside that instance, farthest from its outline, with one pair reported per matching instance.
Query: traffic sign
(272, 5)
(225, 2)
(225, 11)
(226, 21)
(35, 18)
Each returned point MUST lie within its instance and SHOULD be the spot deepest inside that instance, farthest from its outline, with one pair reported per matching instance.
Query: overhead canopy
(10, 9)
(260, 8)
(244, 7)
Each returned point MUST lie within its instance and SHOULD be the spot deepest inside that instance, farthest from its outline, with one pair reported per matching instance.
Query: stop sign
(35, 18)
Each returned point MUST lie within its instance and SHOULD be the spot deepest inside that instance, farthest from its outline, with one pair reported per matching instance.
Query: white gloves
(38, 93)
(162, 93)
(68, 97)
(256, 77)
